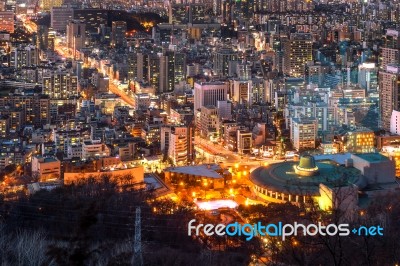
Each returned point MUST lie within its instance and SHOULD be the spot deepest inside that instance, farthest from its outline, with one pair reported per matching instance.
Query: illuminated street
(204, 133)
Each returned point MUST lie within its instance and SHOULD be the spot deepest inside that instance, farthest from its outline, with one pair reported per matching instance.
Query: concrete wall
(136, 176)
(382, 171)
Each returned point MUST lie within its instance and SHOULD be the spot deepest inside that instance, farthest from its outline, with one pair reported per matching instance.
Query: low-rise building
(46, 168)
(94, 148)
(207, 176)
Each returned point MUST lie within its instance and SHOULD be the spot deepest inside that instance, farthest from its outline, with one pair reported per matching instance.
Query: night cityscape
(191, 133)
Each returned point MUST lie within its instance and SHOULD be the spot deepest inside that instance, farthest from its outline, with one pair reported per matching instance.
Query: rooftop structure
(307, 166)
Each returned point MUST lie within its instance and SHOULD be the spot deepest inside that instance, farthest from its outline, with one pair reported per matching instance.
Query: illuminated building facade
(221, 59)
(208, 120)
(7, 21)
(176, 143)
(60, 85)
(390, 51)
(360, 141)
(303, 133)
(24, 56)
(389, 93)
(46, 5)
(118, 34)
(244, 141)
(209, 93)
(46, 168)
(297, 53)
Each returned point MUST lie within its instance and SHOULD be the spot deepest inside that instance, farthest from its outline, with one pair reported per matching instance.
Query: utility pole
(137, 258)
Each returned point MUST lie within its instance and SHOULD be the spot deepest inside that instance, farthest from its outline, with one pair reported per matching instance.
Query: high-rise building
(297, 52)
(25, 109)
(51, 38)
(175, 69)
(47, 5)
(154, 74)
(42, 37)
(197, 13)
(208, 121)
(118, 34)
(76, 35)
(60, 17)
(177, 144)
(221, 61)
(209, 93)
(390, 50)
(244, 141)
(24, 56)
(303, 133)
(132, 65)
(7, 21)
(93, 18)
(368, 76)
(389, 93)
(60, 85)
(142, 61)
(178, 14)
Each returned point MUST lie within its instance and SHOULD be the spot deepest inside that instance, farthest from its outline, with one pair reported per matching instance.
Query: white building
(303, 133)
(367, 76)
(94, 148)
(242, 91)
(395, 122)
(175, 143)
(74, 151)
(209, 93)
(24, 56)
(46, 167)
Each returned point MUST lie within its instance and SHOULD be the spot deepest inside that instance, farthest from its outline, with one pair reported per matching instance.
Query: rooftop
(282, 177)
(204, 170)
(372, 157)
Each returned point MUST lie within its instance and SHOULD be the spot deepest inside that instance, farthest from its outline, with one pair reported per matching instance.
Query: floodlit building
(7, 21)
(46, 168)
(322, 180)
(303, 133)
(244, 141)
(177, 144)
(94, 148)
(297, 53)
(389, 91)
(209, 93)
(361, 140)
(76, 35)
(207, 176)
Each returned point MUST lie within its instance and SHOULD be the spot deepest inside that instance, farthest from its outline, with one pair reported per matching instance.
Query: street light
(205, 184)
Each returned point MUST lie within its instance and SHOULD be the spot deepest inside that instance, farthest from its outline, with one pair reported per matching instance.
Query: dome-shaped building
(299, 181)
(306, 166)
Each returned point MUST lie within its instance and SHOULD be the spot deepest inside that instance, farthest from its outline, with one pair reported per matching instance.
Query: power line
(137, 258)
